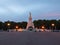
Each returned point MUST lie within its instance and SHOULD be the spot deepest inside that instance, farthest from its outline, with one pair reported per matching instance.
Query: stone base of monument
(30, 28)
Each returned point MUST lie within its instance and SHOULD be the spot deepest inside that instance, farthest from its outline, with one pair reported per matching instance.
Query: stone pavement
(29, 38)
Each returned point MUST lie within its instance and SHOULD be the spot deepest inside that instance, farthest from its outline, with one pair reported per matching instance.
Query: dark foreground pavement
(29, 38)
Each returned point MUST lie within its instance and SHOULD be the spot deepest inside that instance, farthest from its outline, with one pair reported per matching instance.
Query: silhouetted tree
(37, 23)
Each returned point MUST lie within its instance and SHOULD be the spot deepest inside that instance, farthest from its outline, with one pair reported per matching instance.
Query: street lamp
(43, 28)
(17, 28)
(52, 25)
(8, 26)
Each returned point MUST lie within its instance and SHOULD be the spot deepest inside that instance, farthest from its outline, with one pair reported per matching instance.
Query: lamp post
(53, 25)
(8, 26)
(43, 28)
(16, 28)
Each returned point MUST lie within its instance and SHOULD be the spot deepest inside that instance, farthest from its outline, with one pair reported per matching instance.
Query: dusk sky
(18, 10)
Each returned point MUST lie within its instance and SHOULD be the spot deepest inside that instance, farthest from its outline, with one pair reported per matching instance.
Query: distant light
(8, 24)
(20, 29)
(53, 24)
(43, 27)
(16, 27)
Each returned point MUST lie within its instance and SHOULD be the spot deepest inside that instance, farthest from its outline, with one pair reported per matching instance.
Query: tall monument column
(30, 23)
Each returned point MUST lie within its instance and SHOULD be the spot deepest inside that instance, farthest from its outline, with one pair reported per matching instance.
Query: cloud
(53, 14)
(12, 6)
(8, 6)
(20, 9)
(16, 9)
(3, 10)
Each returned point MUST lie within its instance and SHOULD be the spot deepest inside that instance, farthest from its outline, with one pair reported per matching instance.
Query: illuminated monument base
(30, 25)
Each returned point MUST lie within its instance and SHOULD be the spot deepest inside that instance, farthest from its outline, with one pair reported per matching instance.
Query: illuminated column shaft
(30, 23)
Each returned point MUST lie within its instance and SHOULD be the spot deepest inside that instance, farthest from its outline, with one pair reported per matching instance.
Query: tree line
(37, 23)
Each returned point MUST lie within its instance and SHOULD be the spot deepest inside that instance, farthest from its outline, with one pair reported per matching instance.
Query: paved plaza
(29, 38)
